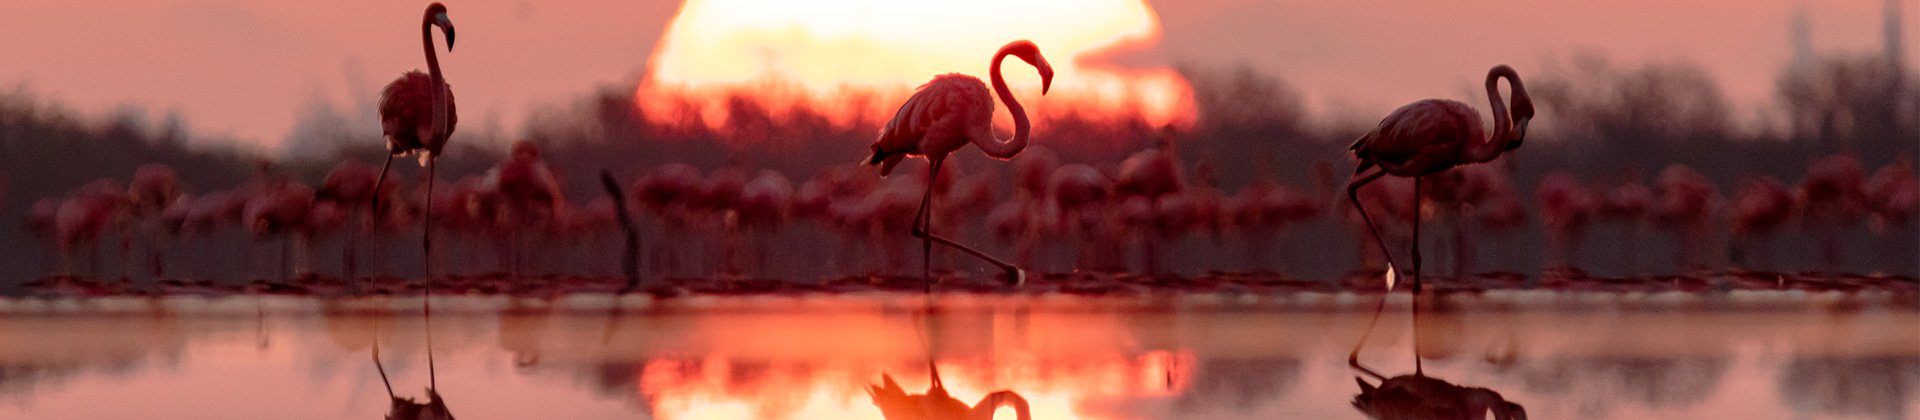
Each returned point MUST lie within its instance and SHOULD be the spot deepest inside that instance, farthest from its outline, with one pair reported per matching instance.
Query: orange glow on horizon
(856, 60)
(716, 388)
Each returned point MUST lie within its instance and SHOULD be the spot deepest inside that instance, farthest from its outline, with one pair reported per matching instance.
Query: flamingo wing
(406, 113)
(936, 120)
(1420, 138)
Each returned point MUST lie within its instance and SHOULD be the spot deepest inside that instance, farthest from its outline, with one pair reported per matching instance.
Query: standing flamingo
(1687, 204)
(531, 194)
(1431, 136)
(1893, 195)
(350, 185)
(155, 187)
(1760, 208)
(1833, 196)
(1567, 209)
(417, 116)
(1150, 174)
(944, 115)
(1627, 205)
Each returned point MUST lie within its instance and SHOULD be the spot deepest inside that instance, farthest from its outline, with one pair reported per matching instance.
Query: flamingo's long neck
(1502, 122)
(439, 83)
(996, 148)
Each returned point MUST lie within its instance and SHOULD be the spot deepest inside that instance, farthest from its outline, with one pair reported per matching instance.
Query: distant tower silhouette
(1895, 50)
(1800, 34)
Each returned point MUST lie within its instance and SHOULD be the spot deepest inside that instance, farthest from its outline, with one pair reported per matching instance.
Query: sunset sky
(247, 69)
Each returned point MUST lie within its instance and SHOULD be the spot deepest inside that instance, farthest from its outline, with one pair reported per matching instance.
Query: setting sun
(789, 53)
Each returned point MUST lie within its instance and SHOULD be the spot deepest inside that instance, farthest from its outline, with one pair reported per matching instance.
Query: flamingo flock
(1146, 213)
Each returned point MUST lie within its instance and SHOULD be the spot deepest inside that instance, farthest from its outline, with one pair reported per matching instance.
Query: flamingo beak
(446, 25)
(1519, 133)
(1046, 78)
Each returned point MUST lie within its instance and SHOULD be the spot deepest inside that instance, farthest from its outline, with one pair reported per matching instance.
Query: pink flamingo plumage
(1760, 208)
(417, 114)
(669, 191)
(1077, 190)
(530, 191)
(764, 206)
(1433, 135)
(1150, 174)
(1833, 196)
(155, 187)
(1567, 207)
(1687, 204)
(1627, 205)
(946, 114)
(350, 185)
(1893, 196)
(280, 209)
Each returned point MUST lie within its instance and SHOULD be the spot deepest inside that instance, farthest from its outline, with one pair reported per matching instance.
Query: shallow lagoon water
(1742, 354)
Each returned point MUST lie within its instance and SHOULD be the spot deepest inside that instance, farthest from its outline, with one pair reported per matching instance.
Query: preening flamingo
(946, 114)
(1431, 136)
(417, 115)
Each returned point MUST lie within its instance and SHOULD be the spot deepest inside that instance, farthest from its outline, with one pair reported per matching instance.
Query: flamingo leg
(1416, 236)
(1014, 276)
(1353, 358)
(1353, 195)
(923, 225)
(383, 371)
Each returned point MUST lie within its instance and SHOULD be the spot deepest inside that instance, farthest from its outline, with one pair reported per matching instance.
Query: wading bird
(936, 404)
(417, 115)
(946, 114)
(1431, 136)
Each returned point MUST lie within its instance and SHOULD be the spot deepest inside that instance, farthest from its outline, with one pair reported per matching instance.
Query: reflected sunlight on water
(1738, 355)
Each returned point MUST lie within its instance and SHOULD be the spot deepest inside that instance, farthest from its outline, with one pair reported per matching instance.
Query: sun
(823, 52)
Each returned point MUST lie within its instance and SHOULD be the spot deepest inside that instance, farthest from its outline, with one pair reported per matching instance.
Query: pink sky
(245, 69)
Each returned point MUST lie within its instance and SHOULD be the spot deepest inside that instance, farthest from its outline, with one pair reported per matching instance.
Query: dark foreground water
(1557, 355)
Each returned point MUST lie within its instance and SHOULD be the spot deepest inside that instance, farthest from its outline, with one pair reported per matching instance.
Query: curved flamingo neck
(1491, 147)
(1021, 127)
(439, 82)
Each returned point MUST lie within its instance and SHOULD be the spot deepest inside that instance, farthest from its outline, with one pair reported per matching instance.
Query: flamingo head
(1522, 114)
(437, 16)
(1031, 54)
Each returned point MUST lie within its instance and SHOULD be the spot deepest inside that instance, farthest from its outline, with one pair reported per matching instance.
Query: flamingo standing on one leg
(417, 116)
(1833, 196)
(1433, 135)
(1687, 205)
(944, 115)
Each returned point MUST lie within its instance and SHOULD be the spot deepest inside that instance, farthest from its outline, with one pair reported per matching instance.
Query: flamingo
(155, 187)
(350, 185)
(1893, 194)
(531, 193)
(1262, 211)
(719, 198)
(668, 191)
(936, 404)
(279, 209)
(1627, 205)
(41, 219)
(417, 116)
(1078, 189)
(1430, 136)
(1687, 203)
(1567, 207)
(1833, 195)
(1760, 207)
(946, 114)
(764, 206)
(1150, 174)
(88, 215)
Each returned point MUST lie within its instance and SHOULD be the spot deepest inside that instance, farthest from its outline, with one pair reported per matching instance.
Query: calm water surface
(1759, 355)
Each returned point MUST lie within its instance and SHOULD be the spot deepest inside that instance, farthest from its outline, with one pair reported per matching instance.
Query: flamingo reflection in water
(1419, 396)
(406, 408)
(896, 404)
